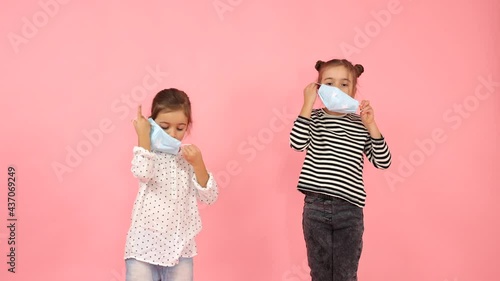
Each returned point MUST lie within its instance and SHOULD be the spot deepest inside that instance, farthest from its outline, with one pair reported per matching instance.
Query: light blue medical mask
(161, 141)
(336, 100)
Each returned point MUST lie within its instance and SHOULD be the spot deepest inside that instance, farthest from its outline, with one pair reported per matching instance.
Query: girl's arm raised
(299, 137)
(206, 187)
(192, 154)
(143, 130)
(310, 93)
(376, 149)
(143, 161)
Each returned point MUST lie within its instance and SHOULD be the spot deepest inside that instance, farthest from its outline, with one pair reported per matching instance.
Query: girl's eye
(345, 85)
(164, 128)
(329, 84)
(180, 130)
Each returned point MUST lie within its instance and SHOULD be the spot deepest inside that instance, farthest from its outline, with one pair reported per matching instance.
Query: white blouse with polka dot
(165, 217)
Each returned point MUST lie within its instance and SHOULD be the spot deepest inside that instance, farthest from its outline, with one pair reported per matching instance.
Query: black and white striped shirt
(334, 159)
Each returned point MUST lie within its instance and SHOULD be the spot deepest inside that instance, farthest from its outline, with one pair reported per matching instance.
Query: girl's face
(175, 123)
(338, 76)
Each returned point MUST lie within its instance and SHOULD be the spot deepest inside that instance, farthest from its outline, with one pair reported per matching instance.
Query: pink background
(432, 216)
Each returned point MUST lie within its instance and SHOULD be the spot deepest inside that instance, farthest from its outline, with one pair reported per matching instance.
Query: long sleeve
(208, 194)
(300, 136)
(377, 152)
(143, 164)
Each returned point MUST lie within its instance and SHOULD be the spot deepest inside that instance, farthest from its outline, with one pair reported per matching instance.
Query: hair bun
(359, 69)
(319, 64)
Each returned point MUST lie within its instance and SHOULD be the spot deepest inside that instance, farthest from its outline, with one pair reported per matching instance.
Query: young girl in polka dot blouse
(165, 219)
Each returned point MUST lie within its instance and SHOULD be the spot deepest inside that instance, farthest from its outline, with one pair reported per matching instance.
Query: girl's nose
(171, 133)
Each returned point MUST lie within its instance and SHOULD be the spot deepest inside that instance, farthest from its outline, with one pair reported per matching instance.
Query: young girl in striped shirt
(332, 173)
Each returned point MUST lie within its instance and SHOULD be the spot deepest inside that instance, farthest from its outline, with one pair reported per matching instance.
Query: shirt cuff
(210, 182)
(141, 151)
(380, 140)
(303, 120)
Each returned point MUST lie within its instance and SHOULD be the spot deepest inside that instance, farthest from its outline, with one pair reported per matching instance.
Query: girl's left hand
(192, 154)
(366, 113)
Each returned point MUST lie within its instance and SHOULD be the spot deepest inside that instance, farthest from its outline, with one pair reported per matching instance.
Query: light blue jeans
(143, 271)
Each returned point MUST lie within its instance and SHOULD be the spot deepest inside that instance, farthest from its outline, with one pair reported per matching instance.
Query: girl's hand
(310, 93)
(368, 119)
(192, 154)
(141, 124)
(366, 113)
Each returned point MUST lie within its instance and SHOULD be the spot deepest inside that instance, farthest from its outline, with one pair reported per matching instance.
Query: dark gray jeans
(333, 231)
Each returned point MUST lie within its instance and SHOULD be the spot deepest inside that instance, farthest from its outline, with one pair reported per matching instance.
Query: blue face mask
(336, 100)
(161, 141)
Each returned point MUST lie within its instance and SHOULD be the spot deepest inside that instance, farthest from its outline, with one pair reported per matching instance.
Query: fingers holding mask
(365, 107)
(191, 153)
(310, 92)
(366, 112)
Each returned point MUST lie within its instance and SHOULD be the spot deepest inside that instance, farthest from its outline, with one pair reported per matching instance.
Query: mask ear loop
(317, 88)
(359, 98)
(183, 145)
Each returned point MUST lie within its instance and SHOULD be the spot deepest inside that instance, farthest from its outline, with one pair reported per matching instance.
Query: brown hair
(171, 100)
(354, 70)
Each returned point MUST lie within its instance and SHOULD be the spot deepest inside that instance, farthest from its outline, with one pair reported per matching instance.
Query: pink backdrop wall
(73, 72)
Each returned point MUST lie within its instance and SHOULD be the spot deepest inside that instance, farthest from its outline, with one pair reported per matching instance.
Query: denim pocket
(314, 203)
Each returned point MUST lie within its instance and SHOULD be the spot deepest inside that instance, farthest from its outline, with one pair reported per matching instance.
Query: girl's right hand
(310, 93)
(141, 124)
